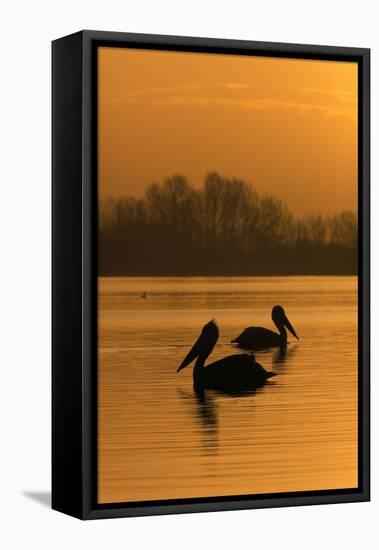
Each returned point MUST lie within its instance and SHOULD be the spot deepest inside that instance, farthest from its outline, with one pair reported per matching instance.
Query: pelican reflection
(283, 355)
(207, 409)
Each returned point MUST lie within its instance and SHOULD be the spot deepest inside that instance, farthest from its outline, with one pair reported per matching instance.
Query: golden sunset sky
(287, 126)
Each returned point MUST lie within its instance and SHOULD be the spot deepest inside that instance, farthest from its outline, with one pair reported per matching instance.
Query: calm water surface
(159, 440)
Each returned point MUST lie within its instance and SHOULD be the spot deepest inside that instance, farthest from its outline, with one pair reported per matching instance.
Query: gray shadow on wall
(42, 497)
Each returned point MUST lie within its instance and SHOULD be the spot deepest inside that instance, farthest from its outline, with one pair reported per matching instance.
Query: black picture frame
(74, 273)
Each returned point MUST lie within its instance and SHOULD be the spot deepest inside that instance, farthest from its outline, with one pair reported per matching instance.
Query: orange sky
(288, 126)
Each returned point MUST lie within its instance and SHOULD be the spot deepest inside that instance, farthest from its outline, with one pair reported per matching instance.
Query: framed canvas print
(210, 274)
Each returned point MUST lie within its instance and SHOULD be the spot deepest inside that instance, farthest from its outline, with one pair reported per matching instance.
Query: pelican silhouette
(260, 338)
(231, 372)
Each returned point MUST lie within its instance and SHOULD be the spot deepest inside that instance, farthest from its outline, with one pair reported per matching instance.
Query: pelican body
(231, 372)
(260, 338)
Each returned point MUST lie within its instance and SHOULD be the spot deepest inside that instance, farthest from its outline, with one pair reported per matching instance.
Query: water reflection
(281, 358)
(282, 355)
(205, 404)
(205, 408)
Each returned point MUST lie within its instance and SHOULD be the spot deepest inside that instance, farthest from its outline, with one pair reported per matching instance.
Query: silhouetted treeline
(226, 228)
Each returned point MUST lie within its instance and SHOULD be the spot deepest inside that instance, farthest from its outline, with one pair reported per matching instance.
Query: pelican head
(203, 346)
(280, 320)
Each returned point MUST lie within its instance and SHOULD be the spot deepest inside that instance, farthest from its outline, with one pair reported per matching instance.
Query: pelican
(260, 338)
(233, 371)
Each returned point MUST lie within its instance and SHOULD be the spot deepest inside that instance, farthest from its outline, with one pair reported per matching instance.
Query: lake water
(159, 440)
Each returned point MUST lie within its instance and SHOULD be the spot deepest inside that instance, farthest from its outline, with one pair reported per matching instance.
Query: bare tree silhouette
(225, 228)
